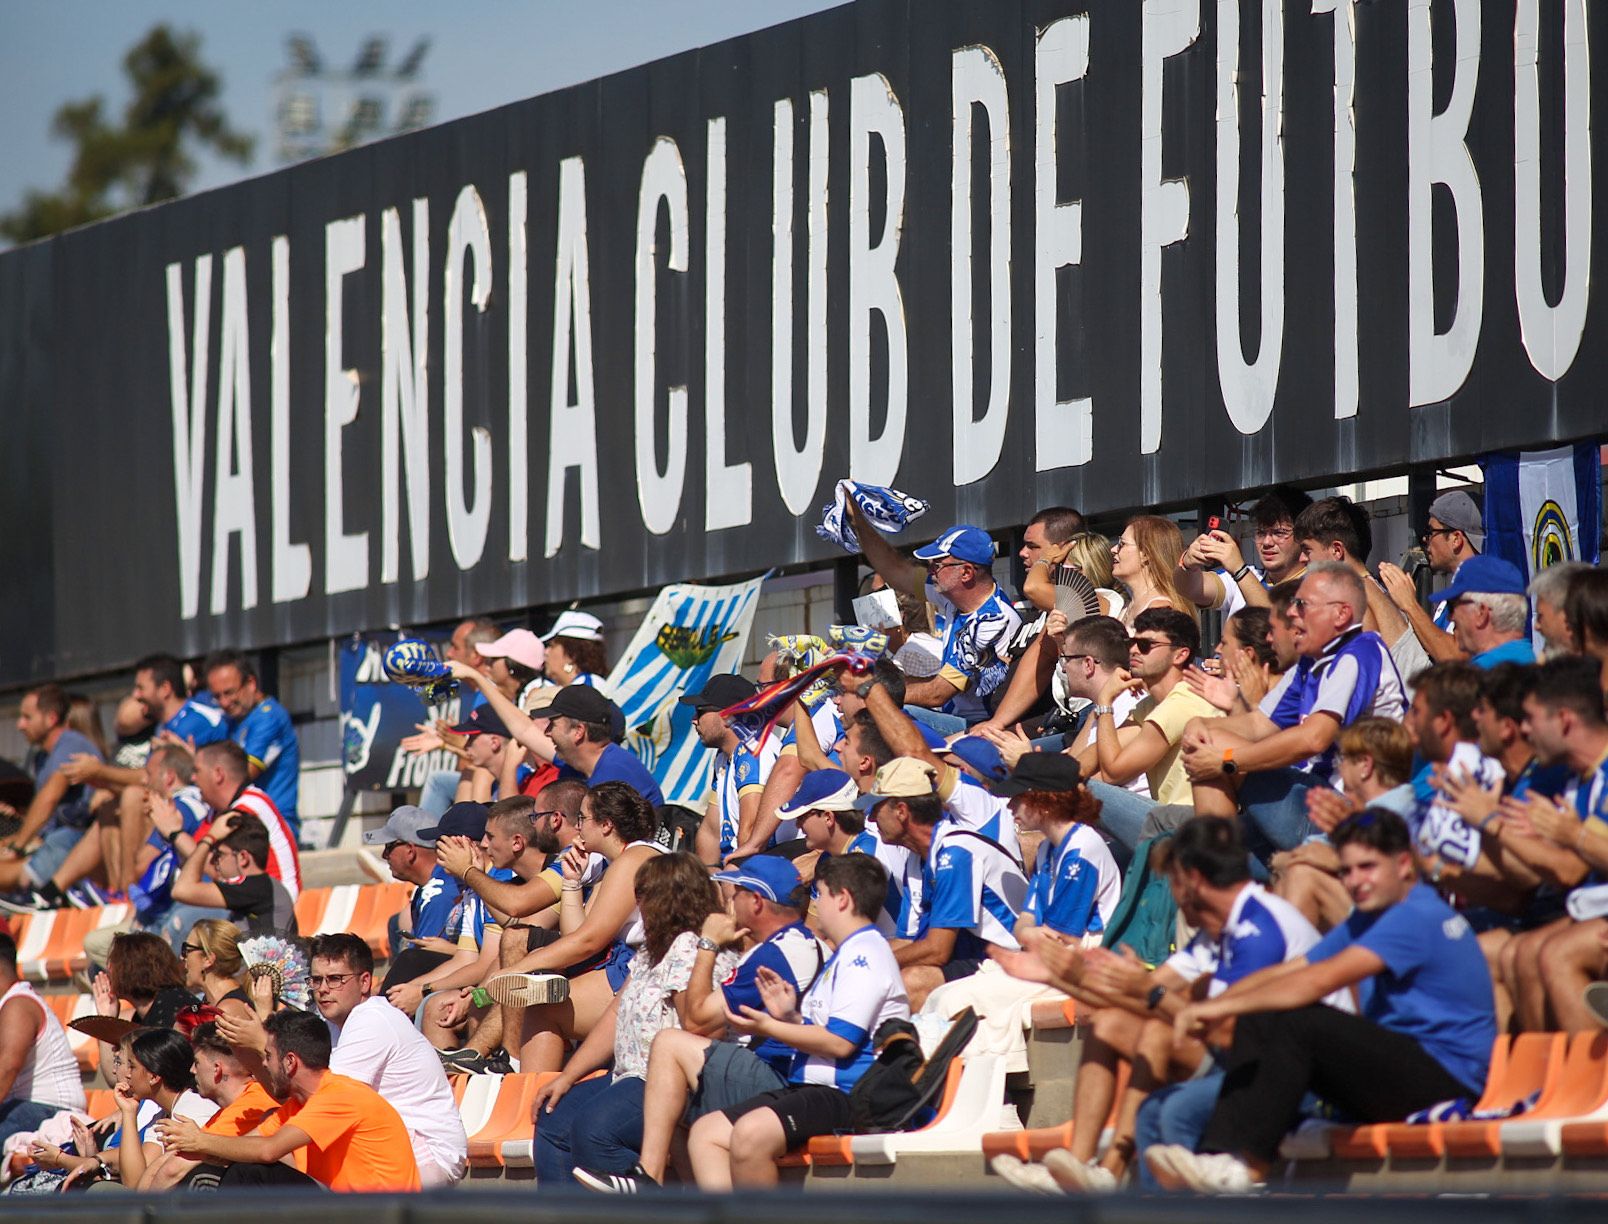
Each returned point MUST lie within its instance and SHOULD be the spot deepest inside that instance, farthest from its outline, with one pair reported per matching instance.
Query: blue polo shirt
(618, 764)
(270, 743)
(1518, 650)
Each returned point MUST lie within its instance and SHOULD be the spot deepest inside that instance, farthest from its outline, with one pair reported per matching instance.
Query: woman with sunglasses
(213, 966)
(618, 823)
(1145, 560)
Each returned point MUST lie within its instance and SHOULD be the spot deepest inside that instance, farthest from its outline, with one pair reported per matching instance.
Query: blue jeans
(438, 792)
(1273, 810)
(944, 724)
(53, 850)
(176, 923)
(1122, 813)
(596, 1125)
(1178, 1114)
(17, 1117)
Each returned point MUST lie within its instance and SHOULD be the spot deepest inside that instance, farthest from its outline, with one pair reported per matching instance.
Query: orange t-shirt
(244, 1113)
(358, 1140)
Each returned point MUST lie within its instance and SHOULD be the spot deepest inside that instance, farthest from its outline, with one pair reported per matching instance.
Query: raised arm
(897, 570)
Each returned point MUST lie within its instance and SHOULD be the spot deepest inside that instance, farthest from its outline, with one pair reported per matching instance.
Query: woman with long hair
(1246, 667)
(1145, 559)
(597, 1123)
(1087, 552)
(214, 968)
(595, 952)
(83, 716)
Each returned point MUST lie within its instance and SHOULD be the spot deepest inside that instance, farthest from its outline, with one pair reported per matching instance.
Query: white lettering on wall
(728, 487)
(234, 501)
(874, 111)
(404, 392)
(572, 427)
(468, 517)
(518, 429)
(188, 401)
(1250, 386)
(977, 79)
(1347, 374)
(1551, 333)
(1168, 28)
(1063, 430)
(664, 178)
(798, 467)
(346, 565)
(292, 562)
(1437, 153)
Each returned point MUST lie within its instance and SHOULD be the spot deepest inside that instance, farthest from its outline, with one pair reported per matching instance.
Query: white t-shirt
(379, 1046)
(1438, 829)
(860, 988)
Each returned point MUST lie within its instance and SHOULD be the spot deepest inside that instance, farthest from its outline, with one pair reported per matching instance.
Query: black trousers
(275, 1174)
(1369, 1073)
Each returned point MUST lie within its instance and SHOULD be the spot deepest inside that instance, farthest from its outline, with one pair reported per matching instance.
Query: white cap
(581, 625)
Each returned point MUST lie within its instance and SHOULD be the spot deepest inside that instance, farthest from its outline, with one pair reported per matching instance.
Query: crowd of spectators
(1369, 833)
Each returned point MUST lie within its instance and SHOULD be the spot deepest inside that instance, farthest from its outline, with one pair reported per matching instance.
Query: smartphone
(1214, 523)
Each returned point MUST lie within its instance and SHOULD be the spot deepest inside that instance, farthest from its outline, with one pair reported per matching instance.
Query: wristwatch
(1101, 709)
(707, 945)
(1229, 768)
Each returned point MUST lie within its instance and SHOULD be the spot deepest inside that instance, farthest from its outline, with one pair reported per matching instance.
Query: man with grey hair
(1548, 589)
(1261, 764)
(1490, 612)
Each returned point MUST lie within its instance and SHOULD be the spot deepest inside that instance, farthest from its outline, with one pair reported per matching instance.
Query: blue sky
(483, 53)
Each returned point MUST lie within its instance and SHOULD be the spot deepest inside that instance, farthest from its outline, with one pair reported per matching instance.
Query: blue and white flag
(1543, 507)
(690, 634)
(888, 510)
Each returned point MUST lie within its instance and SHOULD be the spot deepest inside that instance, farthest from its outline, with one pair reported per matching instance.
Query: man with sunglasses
(955, 574)
(1264, 762)
(1148, 741)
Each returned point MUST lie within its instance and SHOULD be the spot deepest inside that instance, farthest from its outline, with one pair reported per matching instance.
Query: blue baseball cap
(963, 542)
(934, 737)
(981, 756)
(827, 790)
(765, 875)
(1484, 575)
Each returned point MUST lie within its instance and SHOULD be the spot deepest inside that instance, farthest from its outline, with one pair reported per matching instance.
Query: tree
(144, 159)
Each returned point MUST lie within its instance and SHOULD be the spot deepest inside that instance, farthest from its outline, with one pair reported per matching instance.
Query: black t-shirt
(259, 905)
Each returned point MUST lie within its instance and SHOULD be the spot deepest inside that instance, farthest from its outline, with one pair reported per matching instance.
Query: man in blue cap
(492, 773)
(1490, 612)
(955, 573)
(826, 808)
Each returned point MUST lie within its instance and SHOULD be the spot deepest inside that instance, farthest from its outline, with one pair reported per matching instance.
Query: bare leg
(133, 830)
(511, 947)
(81, 861)
(709, 1149)
(1216, 798)
(549, 1029)
(441, 1036)
(1491, 943)
(1112, 1037)
(919, 982)
(1529, 990)
(674, 1065)
(1570, 961)
(757, 1143)
(486, 1030)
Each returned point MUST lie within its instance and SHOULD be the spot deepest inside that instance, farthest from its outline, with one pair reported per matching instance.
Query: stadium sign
(1000, 255)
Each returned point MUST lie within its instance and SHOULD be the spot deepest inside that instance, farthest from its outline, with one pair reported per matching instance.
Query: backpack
(1146, 916)
(678, 827)
(902, 1083)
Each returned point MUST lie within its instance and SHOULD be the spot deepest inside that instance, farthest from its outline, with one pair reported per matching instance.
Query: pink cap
(519, 645)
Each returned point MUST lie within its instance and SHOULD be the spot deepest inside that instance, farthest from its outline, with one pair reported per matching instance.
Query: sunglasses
(186, 948)
(390, 847)
(934, 566)
(1145, 645)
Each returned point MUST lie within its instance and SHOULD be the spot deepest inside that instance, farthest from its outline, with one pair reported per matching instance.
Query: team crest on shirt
(1455, 927)
(746, 769)
(860, 962)
(946, 858)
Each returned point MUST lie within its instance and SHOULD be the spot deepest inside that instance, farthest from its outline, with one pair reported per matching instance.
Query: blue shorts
(617, 964)
(46, 861)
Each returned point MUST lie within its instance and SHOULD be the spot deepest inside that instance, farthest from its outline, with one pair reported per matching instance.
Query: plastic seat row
(363, 909)
(1565, 1076)
(50, 944)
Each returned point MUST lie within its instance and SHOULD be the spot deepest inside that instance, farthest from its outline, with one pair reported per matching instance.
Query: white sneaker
(528, 989)
(1076, 1177)
(1024, 1176)
(1177, 1168)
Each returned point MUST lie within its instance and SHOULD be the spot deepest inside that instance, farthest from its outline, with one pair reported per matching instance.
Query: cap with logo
(766, 875)
(719, 692)
(461, 820)
(821, 790)
(1040, 771)
(963, 542)
(402, 825)
(1484, 575)
(582, 625)
(1457, 511)
(582, 703)
(900, 778)
(517, 646)
(483, 720)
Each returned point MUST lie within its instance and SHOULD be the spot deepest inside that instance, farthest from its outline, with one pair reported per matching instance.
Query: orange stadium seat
(1580, 1097)
(373, 912)
(102, 1103)
(509, 1119)
(310, 906)
(1483, 1140)
(1035, 1144)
